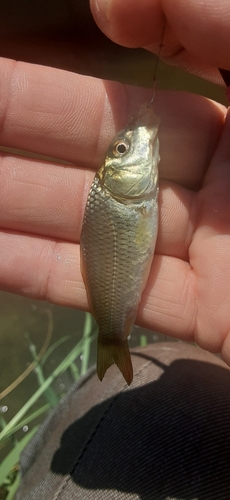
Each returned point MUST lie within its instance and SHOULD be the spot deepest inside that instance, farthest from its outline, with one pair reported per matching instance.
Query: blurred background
(35, 337)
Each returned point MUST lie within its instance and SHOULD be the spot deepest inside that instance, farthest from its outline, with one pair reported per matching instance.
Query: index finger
(74, 117)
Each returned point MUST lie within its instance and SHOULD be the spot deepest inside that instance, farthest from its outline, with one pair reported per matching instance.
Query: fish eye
(120, 148)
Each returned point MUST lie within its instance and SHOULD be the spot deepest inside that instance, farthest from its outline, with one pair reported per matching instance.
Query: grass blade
(13, 457)
(87, 341)
(28, 419)
(58, 371)
(13, 488)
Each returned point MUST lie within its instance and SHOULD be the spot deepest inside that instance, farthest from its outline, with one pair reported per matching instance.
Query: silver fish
(119, 235)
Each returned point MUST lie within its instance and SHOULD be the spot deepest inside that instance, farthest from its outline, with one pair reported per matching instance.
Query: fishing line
(157, 63)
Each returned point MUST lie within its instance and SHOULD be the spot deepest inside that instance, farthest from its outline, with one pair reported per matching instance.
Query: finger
(44, 110)
(142, 24)
(41, 268)
(211, 264)
(50, 270)
(49, 200)
(42, 198)
(73, 117)
(190, 21)
(177, 219)
(168, 302)
(189, 133)
(129, 24)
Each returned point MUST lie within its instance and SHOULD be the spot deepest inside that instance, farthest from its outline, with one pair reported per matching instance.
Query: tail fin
(112, 352)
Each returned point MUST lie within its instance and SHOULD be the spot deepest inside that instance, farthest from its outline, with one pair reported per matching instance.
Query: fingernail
(103, 8)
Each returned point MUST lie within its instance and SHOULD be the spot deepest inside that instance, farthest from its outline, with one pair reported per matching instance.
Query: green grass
(9, 468)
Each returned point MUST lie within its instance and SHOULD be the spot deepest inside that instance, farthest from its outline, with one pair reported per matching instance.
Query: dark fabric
(165, 437)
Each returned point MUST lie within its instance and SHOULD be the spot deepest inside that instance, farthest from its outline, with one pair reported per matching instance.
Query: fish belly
(117, 246)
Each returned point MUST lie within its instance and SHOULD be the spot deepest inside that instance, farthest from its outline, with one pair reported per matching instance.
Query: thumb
(198, 29)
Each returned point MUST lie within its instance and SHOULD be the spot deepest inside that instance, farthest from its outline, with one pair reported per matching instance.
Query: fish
(118, 237)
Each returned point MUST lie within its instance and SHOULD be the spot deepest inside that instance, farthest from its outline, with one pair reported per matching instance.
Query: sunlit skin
(73, 118)
(196, 34)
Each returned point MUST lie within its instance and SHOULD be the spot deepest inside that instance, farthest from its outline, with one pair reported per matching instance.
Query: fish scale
(119, 235)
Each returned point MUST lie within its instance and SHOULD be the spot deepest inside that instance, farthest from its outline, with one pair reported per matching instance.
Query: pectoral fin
(110, 352)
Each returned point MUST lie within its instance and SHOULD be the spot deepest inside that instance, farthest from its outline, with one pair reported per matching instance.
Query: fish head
(130, 169)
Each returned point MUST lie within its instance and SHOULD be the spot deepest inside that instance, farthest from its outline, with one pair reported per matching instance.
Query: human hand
(196, 36)
(73, 118)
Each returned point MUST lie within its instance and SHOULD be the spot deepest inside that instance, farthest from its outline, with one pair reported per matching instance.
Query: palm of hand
(193, 268)
(42, 202)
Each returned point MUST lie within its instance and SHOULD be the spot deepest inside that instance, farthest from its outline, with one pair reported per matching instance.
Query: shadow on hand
(166, 439)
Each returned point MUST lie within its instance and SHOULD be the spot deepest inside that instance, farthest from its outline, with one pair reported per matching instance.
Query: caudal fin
(111, 352)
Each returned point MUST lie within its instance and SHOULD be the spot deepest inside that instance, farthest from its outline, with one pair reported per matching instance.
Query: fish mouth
(145, 118)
